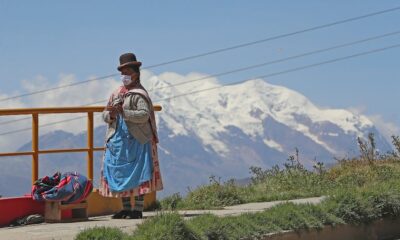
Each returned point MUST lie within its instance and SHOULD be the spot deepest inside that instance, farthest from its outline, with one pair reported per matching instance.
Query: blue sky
(85, 38)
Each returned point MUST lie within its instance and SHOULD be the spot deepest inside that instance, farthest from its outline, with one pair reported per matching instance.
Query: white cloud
(387, 128)
(359, 110)
(78, 95)
(70, 96)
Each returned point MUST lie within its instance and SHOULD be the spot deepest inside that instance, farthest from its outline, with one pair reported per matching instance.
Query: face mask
(126, 79)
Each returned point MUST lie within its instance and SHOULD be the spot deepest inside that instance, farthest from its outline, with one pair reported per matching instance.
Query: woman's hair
(135, 68)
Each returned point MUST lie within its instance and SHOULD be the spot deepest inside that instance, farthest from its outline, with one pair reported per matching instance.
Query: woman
(130, 164)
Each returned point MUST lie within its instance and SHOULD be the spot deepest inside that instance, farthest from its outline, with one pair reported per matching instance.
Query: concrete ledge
(380, 229)
(17, 207)
(99, 205)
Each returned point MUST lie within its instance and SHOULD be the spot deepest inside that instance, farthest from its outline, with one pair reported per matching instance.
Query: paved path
(67, 231)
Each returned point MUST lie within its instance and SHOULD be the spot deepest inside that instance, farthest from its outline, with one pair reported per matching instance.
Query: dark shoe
(121, 214)
(135, 214)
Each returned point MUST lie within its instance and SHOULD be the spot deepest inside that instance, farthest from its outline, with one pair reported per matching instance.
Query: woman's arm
(106, 116)
(110, 112)
(137, 111)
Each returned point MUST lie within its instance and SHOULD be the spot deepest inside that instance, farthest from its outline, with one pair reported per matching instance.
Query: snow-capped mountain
(252, 107)
(225, 131)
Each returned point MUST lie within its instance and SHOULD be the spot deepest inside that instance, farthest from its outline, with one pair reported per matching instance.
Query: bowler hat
(128, 59)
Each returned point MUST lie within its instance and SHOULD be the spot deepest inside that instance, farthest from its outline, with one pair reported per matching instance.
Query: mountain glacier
(247, 106)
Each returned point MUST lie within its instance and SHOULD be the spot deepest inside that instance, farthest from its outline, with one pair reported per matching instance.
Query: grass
(288, 183)
(102, 233)
(166, 226)
(294, 181)
(344, 207)
(359, 190)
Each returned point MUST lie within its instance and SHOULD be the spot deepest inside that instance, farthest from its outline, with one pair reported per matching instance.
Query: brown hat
(128, 59)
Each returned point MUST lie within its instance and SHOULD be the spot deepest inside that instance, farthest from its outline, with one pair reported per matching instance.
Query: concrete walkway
(67, 231)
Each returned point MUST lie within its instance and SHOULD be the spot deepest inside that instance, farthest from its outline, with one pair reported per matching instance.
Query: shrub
(396, 143)
(164, 226)
(294, 180)
(102, 233)
(214, 195)
(364, 205)
(367, 148)
(208, 226)
(171, 202)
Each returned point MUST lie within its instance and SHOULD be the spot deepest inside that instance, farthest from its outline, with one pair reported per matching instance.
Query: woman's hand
(115, 110)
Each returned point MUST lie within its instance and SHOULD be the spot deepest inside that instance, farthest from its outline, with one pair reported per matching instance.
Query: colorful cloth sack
(70, 187)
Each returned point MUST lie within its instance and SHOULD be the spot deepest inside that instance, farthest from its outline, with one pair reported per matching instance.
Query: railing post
(90, 145)
(35, 146)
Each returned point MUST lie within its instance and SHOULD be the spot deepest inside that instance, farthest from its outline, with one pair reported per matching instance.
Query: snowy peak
(249, 106)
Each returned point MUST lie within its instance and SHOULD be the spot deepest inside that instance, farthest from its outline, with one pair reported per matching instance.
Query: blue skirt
(127, 163)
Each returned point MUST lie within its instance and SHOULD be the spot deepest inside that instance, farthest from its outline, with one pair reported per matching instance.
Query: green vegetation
(345, 206)
(359, 191)
(282, 217)
(165, 226)
(294, 181)
(102, 233)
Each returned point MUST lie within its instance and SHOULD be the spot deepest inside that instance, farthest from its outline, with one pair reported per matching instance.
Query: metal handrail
(35, 134)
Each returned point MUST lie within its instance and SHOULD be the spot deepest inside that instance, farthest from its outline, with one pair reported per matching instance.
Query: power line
(278, 36)
(14, 120)
(233, 83)
(253, 66)
(274, 61)
(284, 59)
(26, 118)
(56, 88)
(43, 125)
(289, 70)
(219, 50)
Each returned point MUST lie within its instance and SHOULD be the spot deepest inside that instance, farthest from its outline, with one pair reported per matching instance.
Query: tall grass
(102, 233)
(165, 226)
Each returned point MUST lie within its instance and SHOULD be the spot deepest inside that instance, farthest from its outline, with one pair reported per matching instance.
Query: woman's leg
(139, 203)
(126, 209)
(138, 207)
(126, 203)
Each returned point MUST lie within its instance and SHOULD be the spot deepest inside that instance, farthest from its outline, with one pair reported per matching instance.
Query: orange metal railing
(35, 112)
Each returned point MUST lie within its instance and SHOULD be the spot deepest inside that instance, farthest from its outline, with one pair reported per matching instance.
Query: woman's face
(130, 72)
(127, 71)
